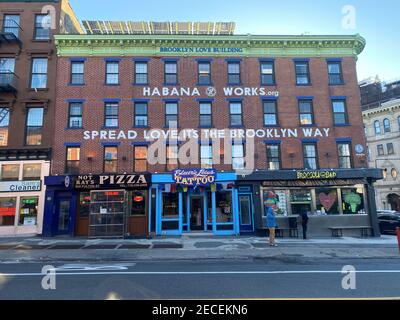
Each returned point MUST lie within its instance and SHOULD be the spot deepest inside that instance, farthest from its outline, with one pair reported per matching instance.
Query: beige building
(382, 129)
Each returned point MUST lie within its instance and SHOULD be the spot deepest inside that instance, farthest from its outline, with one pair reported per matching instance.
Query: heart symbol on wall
(327, 200)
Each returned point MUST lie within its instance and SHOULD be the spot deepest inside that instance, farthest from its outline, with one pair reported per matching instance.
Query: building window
(110, 159)
(139, 200)
(335, 73)
(171, 73)
(171, 115)
(8, 209)
(75, 115)
(302, 73)
(344, 151)
(42, 27)
(267, 73)
(172, 157)
(73, 159)
(310, 156)
(206, 157)
(274, 157)
(353, 200)
(141, 114)
(270, 113)
(32, 171)
(39, 73)
(34, 127)
(390, 148)
(306, 112)
(235, 109)
(141, 73)
(205, 115)
(238, 157)
(378, 129)
(381, 150)
(77, 73)
(111, 115)
(84, 204)
(234, 73)
(140, 161)
(204, 69)
(28, 211)
(7, 66)
(11, 24)
(386, 126)
(10, 172)
(4, 123)
(112, 73)
(339, 112)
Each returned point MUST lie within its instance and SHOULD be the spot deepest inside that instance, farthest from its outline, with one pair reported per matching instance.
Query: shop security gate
(107, 214)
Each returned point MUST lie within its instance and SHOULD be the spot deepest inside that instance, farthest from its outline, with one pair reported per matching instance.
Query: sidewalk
(192, 247)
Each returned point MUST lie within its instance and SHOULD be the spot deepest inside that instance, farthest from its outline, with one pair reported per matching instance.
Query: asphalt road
(260, 278)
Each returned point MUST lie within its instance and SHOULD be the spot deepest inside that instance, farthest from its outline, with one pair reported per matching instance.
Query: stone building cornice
(249, 45)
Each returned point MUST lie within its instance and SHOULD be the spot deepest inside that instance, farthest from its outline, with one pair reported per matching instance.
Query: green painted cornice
(249, 45)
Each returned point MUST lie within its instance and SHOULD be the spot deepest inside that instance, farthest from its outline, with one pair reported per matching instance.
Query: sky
(377, 21)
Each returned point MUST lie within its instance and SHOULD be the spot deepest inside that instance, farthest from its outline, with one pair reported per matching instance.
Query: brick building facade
(297, 97)
(28, 63)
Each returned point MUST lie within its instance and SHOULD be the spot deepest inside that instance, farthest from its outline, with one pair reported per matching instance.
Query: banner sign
(195, 177)
(111, 181)
(315, 175)
(20, 186)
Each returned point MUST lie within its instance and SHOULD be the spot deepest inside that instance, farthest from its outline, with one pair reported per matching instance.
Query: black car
(389, 222)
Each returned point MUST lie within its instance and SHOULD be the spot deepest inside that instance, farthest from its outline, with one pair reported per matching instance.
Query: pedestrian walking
(304, 221)
(271, 225)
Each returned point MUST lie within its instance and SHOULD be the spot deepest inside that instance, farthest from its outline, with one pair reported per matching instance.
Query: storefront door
(63, 213)
(196, 213)
(246, 213)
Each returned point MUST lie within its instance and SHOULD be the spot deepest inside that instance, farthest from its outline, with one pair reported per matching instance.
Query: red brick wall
(95, 91)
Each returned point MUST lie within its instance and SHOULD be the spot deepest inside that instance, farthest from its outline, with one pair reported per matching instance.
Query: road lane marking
(32, 274)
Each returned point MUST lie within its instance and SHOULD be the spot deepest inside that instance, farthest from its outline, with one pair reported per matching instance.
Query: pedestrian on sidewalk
(271, 225)
(304, 221)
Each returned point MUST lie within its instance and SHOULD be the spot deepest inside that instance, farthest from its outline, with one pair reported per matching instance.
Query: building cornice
(367, 114)
(249, 45)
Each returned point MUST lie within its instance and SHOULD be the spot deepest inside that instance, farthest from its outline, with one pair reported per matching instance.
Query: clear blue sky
(377, 21)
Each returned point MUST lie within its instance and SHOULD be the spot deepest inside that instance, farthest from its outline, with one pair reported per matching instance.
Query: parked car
(386, 211)
(389, 222)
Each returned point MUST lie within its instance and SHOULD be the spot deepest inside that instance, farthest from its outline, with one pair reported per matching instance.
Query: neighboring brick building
(296, 95)
(27, 95)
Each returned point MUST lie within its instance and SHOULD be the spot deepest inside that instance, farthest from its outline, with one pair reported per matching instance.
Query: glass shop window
(28, 211)
(327, 201)
(32, 171)
(277, 199)
(300, 200)
(224, 207)
(170, 205)
(7, 211)
(10, 172)
(84, 204)
(353, 201)
(138, 203)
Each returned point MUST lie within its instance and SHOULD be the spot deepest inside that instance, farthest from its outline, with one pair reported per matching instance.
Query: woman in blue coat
(271, 225)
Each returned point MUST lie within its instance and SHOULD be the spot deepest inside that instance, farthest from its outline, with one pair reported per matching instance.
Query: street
(273, 277)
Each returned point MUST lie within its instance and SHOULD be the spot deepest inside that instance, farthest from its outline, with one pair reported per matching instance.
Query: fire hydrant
(398, 236)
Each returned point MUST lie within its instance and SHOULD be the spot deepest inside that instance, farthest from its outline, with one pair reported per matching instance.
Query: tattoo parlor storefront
(97, 206)
(332, 198)
(198, 200)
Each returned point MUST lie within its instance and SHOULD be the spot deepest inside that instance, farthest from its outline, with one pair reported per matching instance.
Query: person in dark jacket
(304, 221)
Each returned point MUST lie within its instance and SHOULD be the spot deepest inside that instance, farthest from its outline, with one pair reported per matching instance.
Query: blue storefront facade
(168, 208)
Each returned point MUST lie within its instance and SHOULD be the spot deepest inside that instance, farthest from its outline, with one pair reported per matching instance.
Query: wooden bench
(337, 232)
(280, 232)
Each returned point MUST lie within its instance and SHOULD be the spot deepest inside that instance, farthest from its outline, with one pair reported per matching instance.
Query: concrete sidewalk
(192, 247)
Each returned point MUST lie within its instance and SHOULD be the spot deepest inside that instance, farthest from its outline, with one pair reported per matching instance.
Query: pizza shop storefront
(332, 199)
(199, 200)
(97, 206)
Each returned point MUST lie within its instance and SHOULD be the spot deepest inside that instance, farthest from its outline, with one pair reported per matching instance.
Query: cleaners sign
(195, 177)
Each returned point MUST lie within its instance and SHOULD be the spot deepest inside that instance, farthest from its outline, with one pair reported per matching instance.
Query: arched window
(386, 125)
(377, 126)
